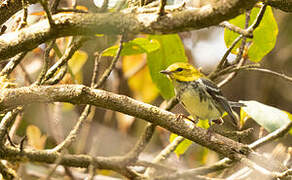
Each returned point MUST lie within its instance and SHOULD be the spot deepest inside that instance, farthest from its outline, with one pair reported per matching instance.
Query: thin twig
(7, 172)
(283, 76)
(3, 29)
(54, 6)
(231, 69)
(224, 58)
(46, 63)
(56, 164)
(10, 66)
(72, 48)
(272, 136)
(58, 77)
(21, 145)
(74, 132)
(104, 5)
(7, 121)
(258, 19)
(23, 22)
(9, 139)
(107, 72)
(44, 4)
(164, 154)
(95, 69)
(161, 7)
(240, 59)
(226, 24)
(141, 143)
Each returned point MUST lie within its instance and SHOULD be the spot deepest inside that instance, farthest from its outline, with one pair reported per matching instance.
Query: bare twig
(46, 63)
(72, 48)
(164, 154)
(224, 58)
(141, 143)
(58, 77)
(272, 136)
(226, 24)
(240, 59)
(44, 3)
(112, 65)
(56, 164)
(12, 64)
(23, 22)
(161, 7)
(283, 76)
(7, 172)
(54, 6)
(3, 29)
(7, 122)
(104, 5)
(73, 133)
(258, 19)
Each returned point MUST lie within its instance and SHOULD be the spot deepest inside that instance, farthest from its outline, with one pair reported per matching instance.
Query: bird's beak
(165, 72)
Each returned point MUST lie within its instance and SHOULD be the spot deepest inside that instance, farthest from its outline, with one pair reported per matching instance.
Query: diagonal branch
(79, 94)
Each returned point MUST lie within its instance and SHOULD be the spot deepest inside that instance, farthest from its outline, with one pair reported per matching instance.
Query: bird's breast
(196, 102)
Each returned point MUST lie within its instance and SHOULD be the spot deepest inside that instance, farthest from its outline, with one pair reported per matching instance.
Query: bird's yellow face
(182, 72)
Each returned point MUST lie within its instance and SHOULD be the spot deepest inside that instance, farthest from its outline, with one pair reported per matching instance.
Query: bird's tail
(233, 114)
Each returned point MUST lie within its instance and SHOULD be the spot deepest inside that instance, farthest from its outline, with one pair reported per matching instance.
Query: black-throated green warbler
(200, 96)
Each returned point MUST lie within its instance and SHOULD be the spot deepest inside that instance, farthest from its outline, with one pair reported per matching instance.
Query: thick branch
(79, 94)
(284, 5)
(118, 23)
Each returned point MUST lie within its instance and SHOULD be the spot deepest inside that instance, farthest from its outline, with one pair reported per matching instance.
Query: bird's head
(182, 72)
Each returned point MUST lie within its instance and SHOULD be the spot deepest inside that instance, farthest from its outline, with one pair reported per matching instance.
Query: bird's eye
(179, 69)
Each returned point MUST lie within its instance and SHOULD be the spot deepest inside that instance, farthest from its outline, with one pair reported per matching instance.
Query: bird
(200, 96)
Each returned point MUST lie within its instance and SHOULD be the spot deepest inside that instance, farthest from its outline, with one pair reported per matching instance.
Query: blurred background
(107, 133)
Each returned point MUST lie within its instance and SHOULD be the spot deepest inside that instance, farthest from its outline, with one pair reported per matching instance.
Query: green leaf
(182, 147)
(265, 34)
(171, 50)
(136, 46)
(268, 117)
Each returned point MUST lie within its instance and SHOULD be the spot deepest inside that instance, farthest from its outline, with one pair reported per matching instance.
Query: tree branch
(284, 5)
(119, 23)
(79, 94)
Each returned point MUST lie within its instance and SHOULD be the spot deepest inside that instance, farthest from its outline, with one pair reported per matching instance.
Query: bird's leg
(209, 130)
(217, 121)
(181, 116)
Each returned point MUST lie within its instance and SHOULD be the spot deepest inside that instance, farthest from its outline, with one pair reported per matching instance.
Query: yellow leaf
(243, 116)
(67, 107)
(140, 82)
(39, 13)
(76, 63)
(35, 137)
(82, 8)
